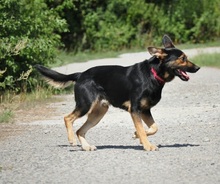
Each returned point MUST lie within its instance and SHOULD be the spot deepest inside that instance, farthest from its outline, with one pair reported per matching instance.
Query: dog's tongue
(184, 74)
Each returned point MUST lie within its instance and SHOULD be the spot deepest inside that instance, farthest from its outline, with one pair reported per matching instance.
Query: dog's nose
(197, 68)
(193, 69)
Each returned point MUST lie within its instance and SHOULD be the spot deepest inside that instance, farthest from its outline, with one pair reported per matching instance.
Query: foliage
(28, 36)
(117, 24)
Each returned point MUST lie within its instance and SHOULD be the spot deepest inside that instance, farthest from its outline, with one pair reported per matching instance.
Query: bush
(29, 35)
(115, 24)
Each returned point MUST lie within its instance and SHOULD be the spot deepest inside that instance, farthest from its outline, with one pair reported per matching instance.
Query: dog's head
(174, 60)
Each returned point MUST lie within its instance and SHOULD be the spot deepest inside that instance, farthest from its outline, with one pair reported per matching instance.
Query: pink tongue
(184, 74)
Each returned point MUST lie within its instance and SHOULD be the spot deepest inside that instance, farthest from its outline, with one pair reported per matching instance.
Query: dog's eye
(184, 58)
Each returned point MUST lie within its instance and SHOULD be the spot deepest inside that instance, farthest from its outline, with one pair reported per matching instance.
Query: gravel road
(188, 138)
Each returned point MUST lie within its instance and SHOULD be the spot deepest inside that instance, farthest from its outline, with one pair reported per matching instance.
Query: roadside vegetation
(53, 33)
(211, 60)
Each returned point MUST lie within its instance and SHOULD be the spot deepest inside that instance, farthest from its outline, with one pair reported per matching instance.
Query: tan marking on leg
(105, 103)
(144, 103)
(127, 104)
(141, 133)
(149, 121)
(94, 117)
(69, 119)
(93, 106)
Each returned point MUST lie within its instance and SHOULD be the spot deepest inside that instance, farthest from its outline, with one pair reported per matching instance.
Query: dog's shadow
(119, 147)
(141, 147)
(178, 145)
(122, 147)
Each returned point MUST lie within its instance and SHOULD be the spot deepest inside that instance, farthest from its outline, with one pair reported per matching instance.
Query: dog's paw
(73, 143)
(135, 135)
(151, 148)
(89, 148)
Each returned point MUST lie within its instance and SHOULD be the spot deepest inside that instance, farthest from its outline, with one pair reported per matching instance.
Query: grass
(11, 102)
(211, 60)
(6, 116)
(200, 45)
(71, 57)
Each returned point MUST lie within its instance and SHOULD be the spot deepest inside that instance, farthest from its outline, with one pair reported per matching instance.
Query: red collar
(156, 76)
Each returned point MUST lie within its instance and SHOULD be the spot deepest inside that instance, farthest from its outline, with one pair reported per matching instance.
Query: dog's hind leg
(69, 119)
(97, 111)
(141, 133)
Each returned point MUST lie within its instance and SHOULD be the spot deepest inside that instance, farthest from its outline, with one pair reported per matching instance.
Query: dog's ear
(167, 42)
(158, 52)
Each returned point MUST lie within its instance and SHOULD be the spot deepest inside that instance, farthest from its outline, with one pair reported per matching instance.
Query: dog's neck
(159, 79)
(155, 69)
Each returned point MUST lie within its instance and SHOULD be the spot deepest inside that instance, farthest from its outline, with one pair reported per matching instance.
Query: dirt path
(189, 124)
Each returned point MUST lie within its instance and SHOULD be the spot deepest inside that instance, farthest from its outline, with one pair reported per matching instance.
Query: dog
(135, 88)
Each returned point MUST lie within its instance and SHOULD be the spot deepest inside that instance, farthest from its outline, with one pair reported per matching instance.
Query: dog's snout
(192, 68)
(196, 68)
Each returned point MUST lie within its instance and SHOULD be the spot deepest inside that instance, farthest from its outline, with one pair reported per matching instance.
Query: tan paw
(73, 143)
(89, 148)
(135, 135)
(151, 147)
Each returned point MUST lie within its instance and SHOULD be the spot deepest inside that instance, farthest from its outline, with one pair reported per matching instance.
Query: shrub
(115, 24)
(29, 35)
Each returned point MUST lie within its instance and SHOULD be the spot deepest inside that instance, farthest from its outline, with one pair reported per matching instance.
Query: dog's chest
(149, 100)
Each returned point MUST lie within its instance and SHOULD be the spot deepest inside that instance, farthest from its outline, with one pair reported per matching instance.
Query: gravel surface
(189, 125)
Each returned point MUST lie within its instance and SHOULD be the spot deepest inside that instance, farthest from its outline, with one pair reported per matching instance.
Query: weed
(6, 116)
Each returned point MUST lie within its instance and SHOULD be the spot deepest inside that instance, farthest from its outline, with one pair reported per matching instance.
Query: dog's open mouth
(182, 74)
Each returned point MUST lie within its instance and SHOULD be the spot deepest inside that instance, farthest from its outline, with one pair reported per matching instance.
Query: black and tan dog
(135, 88)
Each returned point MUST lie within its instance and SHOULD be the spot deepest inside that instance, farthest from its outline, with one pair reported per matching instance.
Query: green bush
(29, 35)
(194, 21)
(116, 24)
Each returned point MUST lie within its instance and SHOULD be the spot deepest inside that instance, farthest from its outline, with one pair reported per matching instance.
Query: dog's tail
(57, 79)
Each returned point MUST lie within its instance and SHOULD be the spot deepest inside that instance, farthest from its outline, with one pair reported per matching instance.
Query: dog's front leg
(141, 132)
(149, 121)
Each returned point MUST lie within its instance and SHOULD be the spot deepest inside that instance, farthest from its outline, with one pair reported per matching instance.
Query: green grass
(211, 60)
(71, 57)
(199, 45)
(11, 102)
(6, 116)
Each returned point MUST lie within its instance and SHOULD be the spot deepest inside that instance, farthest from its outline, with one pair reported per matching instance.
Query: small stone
(46, 131)
(206, 139)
